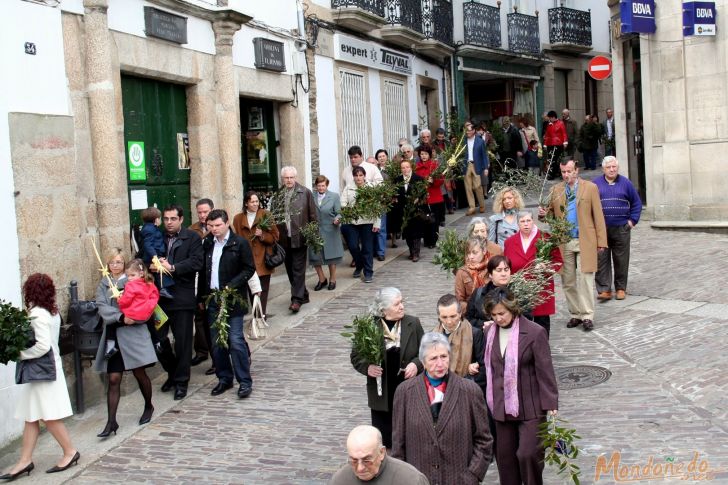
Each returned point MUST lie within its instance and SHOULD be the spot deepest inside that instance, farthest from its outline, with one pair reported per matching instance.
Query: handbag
(40, 369)
(258, 328)
(426, 215)
(276, 257)
(85, 315)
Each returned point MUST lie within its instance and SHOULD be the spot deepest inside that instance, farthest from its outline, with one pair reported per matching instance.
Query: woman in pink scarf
(521, 388)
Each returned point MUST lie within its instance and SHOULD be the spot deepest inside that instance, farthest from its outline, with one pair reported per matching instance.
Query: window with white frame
(354, 113)
(394, 113)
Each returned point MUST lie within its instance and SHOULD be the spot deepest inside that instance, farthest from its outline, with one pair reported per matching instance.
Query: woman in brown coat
(473, 274)
(402, 335)
(247, 225)
(439, 420)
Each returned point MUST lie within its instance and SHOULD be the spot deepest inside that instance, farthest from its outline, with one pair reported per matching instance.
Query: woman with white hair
(402, 335)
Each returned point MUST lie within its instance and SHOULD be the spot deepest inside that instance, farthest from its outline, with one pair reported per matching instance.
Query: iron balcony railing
(374, 6)
(482, 25)
(523, 33)
(569, 26)
(407, 13)
(437, 20)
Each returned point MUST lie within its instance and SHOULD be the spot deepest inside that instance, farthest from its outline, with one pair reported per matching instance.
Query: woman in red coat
(521, 250)
(435, 199)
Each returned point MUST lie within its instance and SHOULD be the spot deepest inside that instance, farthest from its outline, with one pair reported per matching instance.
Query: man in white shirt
(356, 158)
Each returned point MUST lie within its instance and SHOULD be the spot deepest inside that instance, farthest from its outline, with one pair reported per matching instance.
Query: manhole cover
(581, 376)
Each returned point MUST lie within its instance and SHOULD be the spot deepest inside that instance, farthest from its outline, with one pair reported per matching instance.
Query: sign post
(600, 68)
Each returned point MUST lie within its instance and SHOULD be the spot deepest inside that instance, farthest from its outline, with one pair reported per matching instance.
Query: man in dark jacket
(228, 264)
(184, 259)
(300, 210)
(512, 147)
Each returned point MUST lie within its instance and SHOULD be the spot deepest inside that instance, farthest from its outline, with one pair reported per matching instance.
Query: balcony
(363, 15)
(437, 28)
(404, 22)
(523, 36)
(570, 30)
(482, 25)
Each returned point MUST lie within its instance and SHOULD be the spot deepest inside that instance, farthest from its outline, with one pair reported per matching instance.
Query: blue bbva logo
(641, 8)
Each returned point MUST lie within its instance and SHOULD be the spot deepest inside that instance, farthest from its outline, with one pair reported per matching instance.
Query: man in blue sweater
(622, 207)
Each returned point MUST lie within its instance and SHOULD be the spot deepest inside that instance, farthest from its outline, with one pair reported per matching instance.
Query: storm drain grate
(581, 376)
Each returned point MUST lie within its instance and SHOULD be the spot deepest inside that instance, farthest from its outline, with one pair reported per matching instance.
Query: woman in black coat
(401, 344)
(411, 226)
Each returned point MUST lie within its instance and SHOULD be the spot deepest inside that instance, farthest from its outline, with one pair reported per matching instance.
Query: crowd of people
(424, 409)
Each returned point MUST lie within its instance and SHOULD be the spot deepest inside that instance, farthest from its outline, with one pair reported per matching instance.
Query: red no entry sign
(600, 68)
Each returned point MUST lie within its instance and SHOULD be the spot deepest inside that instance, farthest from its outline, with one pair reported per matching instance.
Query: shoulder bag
(40, 369)
(258, 328)
(276, 257)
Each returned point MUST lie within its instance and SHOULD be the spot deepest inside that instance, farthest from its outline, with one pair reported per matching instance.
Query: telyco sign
(637, 16)
(369, 54)
(699, 18)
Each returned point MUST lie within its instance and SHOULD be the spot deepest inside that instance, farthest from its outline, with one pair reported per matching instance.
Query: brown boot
(605, 296)
(621, 295)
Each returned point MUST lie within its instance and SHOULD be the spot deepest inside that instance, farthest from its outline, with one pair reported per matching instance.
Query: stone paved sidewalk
(664, 345)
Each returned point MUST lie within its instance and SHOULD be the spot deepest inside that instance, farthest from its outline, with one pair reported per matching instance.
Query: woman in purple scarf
(521, 388)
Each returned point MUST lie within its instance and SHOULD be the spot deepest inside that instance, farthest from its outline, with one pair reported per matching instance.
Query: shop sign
(638, 16)
(269, 54)
(165, 25)
(369, 54)
(137, 164)
(699, 18)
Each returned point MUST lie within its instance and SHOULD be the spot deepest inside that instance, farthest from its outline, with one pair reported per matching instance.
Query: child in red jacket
(140, 296)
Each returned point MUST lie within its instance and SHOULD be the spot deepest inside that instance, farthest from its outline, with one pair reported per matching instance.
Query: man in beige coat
(577, 200)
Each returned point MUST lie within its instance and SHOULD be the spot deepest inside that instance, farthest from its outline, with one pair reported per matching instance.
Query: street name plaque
(165, 25)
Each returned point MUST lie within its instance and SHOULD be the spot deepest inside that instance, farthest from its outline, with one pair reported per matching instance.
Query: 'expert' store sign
(369, 54)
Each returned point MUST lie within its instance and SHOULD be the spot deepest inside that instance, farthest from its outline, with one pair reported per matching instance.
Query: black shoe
(368, 279)
(12, 476)
(320, 285)
(380, 257)
(73, 461)
(168, 385)
(244, 391)
(220, 388)
(210, 371)
(111, 427)
(146, 415)
(111, 352)
(180, 393)
(587, 324)
(305, 300)
(198, 359)
(332, 285)
(574, 322)
(357, 273)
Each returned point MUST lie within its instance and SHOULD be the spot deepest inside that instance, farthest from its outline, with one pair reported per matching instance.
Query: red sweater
(555, 134)
(434, 194)
(138, 300)
(513, 249)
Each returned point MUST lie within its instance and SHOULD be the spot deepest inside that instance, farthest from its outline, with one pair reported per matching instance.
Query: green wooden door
(259, 145)
(156, 144)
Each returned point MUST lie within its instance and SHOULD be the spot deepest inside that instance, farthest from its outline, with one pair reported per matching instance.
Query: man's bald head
(366, 451)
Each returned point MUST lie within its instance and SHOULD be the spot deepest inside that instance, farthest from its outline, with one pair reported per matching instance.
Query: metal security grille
(394, 111)
(354, 117)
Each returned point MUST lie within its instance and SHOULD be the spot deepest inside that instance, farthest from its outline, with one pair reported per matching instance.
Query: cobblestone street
(664, 346)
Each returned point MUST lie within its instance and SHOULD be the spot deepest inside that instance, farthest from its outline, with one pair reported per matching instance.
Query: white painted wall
(128, 16)
(326, 111)
(38, 85)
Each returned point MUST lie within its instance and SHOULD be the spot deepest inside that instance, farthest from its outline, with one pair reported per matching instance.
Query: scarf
(510, 370)
(461, 345)
(526, 242)
(391, 337)
(476, 272)
(435, 393)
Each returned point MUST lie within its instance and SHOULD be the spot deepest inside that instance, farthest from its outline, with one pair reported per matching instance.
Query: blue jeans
(381, 238)
(360, 239)
(238, 351)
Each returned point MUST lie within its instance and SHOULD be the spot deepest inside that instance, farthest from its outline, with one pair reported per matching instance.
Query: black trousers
(617, 254)
(296, 269)
(202, 343)
(432, 231)
(177, 362)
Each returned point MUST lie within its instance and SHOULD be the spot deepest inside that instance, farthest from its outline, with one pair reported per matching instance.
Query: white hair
(431, 340)
(523, 213)
(609, 158)
(408, 147)
(383, 300)
(425, 132)
(289, 168)
(473, 222)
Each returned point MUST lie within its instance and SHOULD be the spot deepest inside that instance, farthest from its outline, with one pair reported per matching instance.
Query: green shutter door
(155, 141)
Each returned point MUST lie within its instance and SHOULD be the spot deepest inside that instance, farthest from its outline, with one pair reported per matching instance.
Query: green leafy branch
(416, 197)
(370, 202)
(281, 206)
(312, 236)
(450, 252)
(15, 332)
(366, 338)
(226, 299)
(559, 442)
(530, 284)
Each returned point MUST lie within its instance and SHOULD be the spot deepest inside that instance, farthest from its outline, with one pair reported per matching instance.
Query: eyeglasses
(115, 262)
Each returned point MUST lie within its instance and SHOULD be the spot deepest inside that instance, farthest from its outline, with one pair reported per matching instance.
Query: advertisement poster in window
(256, 148)
(255, 118)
